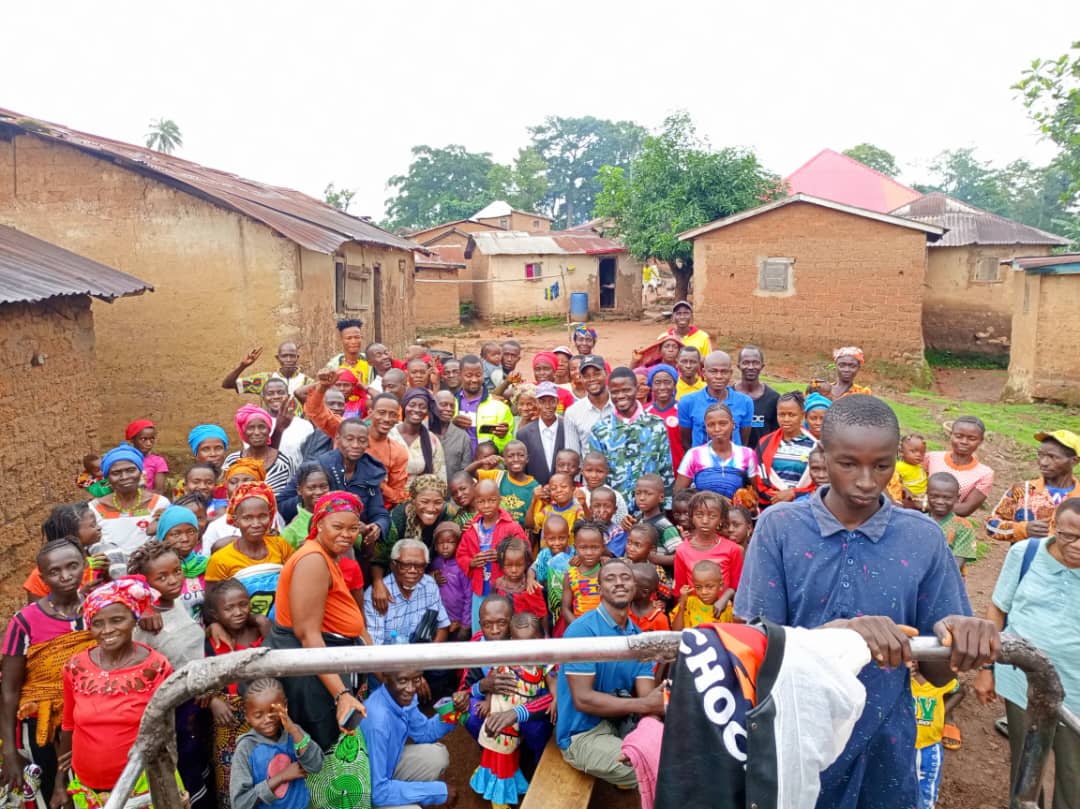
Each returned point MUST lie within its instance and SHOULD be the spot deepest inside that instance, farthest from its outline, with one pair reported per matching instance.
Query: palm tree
(164, 135)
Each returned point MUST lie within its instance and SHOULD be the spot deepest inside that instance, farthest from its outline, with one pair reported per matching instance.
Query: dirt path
(976, 776)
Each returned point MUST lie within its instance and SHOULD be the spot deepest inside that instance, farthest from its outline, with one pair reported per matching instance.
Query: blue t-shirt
(609, 677)
(805, 569)
(692, 409)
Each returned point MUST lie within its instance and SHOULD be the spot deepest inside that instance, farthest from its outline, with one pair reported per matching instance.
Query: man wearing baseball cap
(1027, 509)
(686, 333)
(584, 413)
(547, 435)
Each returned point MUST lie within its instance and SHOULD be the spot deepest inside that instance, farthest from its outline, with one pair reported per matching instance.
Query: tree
(529, 180)
(959, 173)
(575, 149)
(1051, 94)
(340, 198)
(441, 185)
(875, 157)
(164, 135)
(677, 183)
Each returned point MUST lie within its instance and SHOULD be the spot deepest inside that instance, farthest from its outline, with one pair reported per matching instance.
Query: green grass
(924, 412)
(947, 359)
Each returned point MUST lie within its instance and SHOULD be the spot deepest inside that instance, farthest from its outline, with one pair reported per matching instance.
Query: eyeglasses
(1065, 538)
(410, 565)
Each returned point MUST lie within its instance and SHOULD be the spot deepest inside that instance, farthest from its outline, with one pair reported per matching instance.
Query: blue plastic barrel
(579, 305)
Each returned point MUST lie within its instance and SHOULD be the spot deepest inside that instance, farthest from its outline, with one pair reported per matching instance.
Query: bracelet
(303, 745)
(340, 694)
(988, 667)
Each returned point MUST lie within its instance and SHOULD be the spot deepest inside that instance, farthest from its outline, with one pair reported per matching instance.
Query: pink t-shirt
(152, 466)
(725, 553)
(974, 475)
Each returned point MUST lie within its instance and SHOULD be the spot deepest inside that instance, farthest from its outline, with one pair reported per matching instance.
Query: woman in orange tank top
(315, 609)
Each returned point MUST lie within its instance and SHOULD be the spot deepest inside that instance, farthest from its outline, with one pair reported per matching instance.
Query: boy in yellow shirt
(931, 702)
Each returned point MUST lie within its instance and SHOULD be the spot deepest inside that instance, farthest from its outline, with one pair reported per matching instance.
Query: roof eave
(933, 232)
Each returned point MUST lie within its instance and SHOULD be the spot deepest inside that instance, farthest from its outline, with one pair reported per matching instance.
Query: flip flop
(950, 737)
(1002, 727)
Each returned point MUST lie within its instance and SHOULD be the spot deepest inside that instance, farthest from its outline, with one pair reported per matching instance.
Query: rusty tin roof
(33, 270)
(965, 224)
(305, 220)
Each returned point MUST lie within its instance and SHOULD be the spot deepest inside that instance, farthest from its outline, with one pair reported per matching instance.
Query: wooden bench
(557, 785)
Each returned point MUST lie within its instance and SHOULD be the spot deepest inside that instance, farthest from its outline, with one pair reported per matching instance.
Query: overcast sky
(304, 93)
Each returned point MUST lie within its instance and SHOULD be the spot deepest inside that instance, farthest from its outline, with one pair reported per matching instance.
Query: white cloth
(181, 640)
(127, 532)
(291, 440)
(818, 699)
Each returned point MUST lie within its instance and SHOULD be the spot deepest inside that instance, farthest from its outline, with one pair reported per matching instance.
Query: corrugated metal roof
(305, 220)
(447, 257)
(833, 176)
(560, 242)
(970, 225)
(1063, 264)
(932, 231)
(33, 270)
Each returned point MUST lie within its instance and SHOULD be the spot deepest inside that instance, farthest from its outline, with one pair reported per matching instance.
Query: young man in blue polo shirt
(718, 372)
(847, 557)
(587, 699)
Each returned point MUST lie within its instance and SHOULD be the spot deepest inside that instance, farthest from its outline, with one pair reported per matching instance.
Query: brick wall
(1044, 320)
(855, 280)
(223, 284)
(962, 314)
(48, 420)
(437, 304)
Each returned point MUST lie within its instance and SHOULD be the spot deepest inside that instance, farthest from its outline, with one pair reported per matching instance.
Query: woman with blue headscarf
(209, 443)
(126, 513)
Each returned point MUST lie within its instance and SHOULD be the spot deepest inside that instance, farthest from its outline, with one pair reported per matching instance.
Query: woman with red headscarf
(315, 609)
(355, 394)
(255, 426)
(545, 364)
(142, 434)
(251, 510)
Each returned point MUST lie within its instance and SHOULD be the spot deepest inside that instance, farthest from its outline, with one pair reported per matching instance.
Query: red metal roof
(833, 176)
(33, 270)
(305, 220)
(967, 224)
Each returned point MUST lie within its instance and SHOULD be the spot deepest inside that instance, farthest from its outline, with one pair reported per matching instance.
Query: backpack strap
(1031, 547)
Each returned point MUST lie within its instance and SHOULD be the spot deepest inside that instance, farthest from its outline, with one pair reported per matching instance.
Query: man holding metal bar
(847, 557)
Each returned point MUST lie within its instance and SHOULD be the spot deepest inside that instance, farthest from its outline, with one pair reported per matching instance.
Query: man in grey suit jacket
(547, 435)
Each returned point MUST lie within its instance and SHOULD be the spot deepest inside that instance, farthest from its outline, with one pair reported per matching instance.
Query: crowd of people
(437, 499)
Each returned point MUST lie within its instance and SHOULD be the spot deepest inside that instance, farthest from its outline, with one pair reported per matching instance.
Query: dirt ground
(976, 776)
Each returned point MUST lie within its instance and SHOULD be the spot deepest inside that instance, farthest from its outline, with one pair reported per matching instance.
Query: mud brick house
(499, 215)
(49, 403)
(810, 274)
(437, 299)
(525, 274)
(1044, 326)
(234, 262)
(969, 301)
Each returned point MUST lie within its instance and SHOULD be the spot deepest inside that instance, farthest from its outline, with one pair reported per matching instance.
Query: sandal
(950, 737)
(1002, 727)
